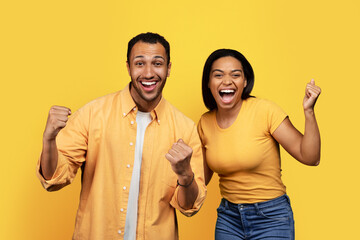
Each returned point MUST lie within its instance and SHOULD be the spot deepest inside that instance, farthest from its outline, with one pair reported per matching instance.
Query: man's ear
(169, 68)
(128, 67)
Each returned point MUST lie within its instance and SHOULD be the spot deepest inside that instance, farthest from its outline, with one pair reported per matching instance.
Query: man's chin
(150, 98)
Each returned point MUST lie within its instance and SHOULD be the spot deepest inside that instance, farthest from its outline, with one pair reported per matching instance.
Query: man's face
(148, 70)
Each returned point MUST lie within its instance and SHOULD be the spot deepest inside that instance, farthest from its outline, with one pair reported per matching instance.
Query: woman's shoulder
(260, 103)
(208, 114)
(207, 117)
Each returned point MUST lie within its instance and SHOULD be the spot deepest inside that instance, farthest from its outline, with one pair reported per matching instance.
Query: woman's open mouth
(227, 95)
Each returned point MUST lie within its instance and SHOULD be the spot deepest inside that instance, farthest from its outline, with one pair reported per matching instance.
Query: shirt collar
(128, 105)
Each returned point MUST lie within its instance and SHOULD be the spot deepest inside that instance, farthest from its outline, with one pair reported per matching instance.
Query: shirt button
(119, 231)
(124, 188)
(128, 165)
(124, 114)
(134, 108)
(131, 144)
(132, 122)
(121, 209)
(159, 121)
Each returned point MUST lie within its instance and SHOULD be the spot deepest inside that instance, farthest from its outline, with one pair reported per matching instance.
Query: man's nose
(149, 72)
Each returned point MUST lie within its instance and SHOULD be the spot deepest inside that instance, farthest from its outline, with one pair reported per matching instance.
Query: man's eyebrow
(138, 56)
(160, 57)
(142, 56)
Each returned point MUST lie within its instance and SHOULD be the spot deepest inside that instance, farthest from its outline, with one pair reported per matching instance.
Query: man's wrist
(185, 180)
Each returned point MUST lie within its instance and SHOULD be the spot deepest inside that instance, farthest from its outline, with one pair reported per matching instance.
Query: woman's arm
(305, 148)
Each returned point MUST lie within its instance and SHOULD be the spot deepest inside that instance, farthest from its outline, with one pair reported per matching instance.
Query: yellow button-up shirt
(100, 139)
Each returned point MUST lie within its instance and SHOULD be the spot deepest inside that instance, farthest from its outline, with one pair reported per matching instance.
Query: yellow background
(70, 52)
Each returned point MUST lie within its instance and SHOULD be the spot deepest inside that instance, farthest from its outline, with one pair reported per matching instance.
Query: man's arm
(57, 119)
(179, 157)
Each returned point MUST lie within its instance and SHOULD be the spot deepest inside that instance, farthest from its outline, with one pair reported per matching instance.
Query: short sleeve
(275, 116)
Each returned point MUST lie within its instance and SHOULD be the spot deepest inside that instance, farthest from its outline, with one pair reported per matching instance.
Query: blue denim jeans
(270, 220)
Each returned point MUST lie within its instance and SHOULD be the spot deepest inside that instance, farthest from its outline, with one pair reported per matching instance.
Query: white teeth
(227, 91)
(148, 83)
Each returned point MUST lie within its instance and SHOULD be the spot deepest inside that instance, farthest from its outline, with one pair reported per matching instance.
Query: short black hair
(208, 98)
(152, 38)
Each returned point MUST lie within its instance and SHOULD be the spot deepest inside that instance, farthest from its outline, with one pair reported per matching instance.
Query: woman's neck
(226, 117)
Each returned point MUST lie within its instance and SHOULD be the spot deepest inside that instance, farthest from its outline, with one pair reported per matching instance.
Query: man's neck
(145, 106)
(142, 104)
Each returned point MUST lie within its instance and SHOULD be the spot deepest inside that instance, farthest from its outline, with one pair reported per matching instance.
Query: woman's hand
(312, 93)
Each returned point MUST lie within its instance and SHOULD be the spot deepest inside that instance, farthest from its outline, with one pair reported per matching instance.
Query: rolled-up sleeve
(71, 143)
(198, 169)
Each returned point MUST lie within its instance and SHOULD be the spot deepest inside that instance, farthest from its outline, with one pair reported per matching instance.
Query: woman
(241, 136)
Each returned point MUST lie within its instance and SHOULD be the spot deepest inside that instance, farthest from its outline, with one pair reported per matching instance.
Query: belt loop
(257, 208)
(226, 203)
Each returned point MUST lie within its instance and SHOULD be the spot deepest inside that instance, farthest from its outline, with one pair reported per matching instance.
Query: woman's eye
(218, 75)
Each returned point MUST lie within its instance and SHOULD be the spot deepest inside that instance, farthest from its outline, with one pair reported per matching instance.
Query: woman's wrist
(309, 112)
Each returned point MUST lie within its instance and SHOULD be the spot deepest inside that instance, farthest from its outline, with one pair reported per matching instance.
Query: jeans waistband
(273, 202)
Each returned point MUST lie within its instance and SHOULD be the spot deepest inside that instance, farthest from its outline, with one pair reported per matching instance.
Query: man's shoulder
(176, 114)
(103, 101)
(101, 106)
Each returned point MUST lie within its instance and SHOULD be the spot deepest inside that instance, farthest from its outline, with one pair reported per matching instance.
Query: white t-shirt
(142, 119)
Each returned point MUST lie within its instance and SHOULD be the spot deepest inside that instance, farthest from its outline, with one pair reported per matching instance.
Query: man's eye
(158, 63)
(139, 64)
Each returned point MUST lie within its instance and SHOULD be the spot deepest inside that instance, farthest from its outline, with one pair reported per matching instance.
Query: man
(140, 157)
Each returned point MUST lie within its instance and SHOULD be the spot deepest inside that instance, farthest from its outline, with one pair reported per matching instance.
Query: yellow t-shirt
(245, 155)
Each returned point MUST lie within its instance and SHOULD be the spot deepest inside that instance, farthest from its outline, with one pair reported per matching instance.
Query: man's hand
(57, 118)
(179, 157)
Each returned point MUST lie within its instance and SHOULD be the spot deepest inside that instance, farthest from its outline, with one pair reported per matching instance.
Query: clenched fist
(179, 157)
(312, 93)
(57, 118)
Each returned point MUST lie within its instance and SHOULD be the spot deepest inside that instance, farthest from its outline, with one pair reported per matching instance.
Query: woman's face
(227, 82)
